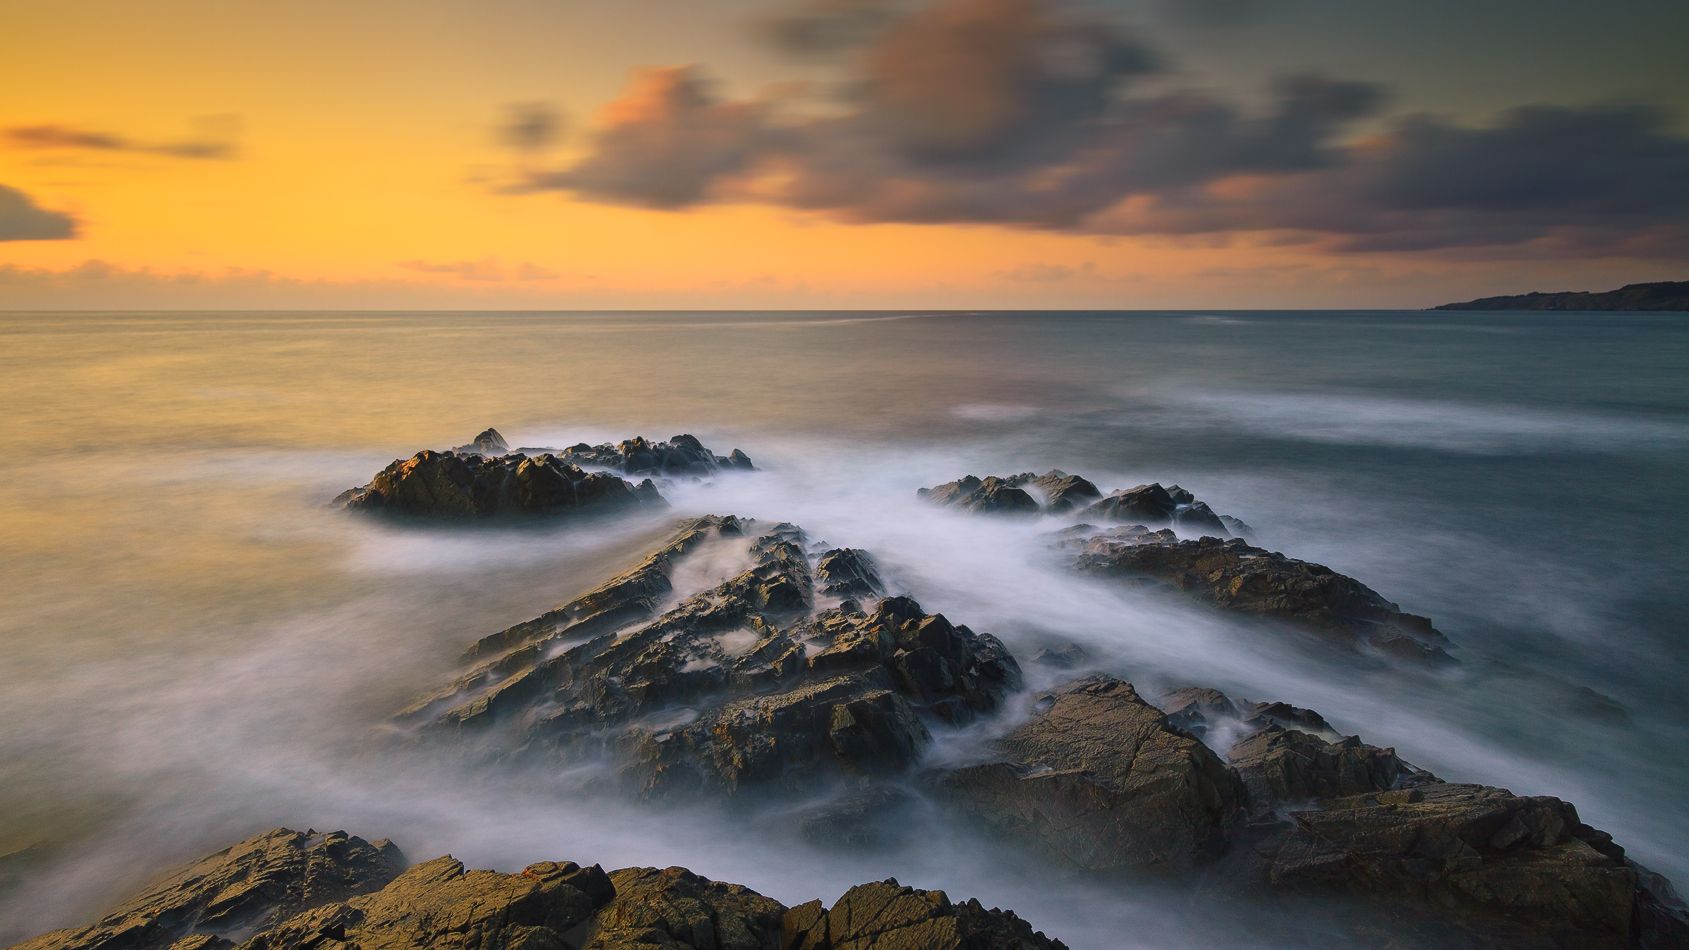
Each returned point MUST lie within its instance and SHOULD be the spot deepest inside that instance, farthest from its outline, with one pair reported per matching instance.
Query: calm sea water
(193, 648)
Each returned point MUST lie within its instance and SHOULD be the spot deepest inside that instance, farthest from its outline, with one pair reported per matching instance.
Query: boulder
(673, 907)
(450, 486)
(848, 572)
(1153, 505)
(1235, 576)
(990, 495)
(247, 887)
(889, 916)
(1099, 779)
(1060, 491)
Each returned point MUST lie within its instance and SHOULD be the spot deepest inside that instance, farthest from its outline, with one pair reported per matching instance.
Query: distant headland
(1661, 295)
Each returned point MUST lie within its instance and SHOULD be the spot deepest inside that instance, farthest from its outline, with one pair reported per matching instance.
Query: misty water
(194, 648)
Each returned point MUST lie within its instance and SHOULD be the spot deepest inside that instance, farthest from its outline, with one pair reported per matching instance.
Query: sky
(547, 154)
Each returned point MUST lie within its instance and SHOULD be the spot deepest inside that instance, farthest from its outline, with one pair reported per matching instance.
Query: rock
(680, 455)
(889, 916)
(440, 904)
(848, 572)
(1153, 505)
(991, 495)
(873, 816)
(1065, 657)
(450, 486)
(1233, 575)
(489, 442)
(743, 685)
(1061, 491)
(1196, 709)
(249, 886)
(1101, 780)
(675, 908)
(1280, 766)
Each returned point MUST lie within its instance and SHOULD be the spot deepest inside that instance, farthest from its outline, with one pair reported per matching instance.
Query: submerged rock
(1057, 492)
(1236, 576)
(1099, 779)
(450, 486)
(742, 685)
(244, 888)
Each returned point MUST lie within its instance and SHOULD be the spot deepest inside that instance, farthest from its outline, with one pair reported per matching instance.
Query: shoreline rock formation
(1056, 492)
(1659, 295)
(551, 904)
(484, 480)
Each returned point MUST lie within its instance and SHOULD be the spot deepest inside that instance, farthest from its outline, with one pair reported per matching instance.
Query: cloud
(487, 269)
(1035, 114)
(213, 141)
(665, 143)
(21, 219)
(531, 126)
(827, 26)
(1046, 273)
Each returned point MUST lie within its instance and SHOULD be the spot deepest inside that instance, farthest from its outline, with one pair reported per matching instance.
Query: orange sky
(365, 173)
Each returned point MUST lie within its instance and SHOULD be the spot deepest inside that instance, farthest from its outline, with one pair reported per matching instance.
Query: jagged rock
(1061, 491)
(1064, 657)
(489, 442)
(680, 455)
(1197, 708)
(1233, 575)
(450, 486)
(441, 904)
(743, 685)
(249, 886)
(1280, 765)
(848, 572)
(675, 908)
(1154, 505)
(991, 495)
(889, 916)
(1101, 780)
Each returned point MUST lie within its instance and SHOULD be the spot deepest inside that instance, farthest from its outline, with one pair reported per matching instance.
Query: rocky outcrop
(1235, 576)
(990, 495)
(466, 487)
(889, 916)
(489, 442)
(244, 888)
(1057, 492)
(680, 455)
(1099, 779)
(744, 685)
(1659, 295)
(287, 903)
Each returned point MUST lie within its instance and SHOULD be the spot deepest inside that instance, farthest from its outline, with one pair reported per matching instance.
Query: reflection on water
(195, 648)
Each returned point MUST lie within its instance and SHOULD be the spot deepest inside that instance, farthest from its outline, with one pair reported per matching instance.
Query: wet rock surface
(1099, 779)
(1057, 492)
(990, 495)
(1236, 576)
(748, 684)
(241, 889)
(680, 455)
(441, 903)
(452, 487)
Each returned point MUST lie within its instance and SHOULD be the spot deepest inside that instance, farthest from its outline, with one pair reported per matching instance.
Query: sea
(195, 647)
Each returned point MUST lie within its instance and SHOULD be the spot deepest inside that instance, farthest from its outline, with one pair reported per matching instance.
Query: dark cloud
(1030, 113)
(531, 126)
(827, 26)
(21, 219)
(213, 141)
(666, 143)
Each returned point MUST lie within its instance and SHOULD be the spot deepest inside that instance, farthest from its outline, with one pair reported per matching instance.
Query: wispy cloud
(487, 269)
(214, 140)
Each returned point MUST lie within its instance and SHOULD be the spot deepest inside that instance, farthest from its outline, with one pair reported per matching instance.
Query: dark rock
(1281, 765)
(449, 486)
(252, 885)
(1197, 708)
(1659, 295)
(990, 495)
(1065, 657)
(489, 442)
(1061, 491)
(440, 904)
(889, 916)
(743, 685)
(1101, 780)
(1233, 575)
(848, 572)
(874, 816)
(680, 455)
(1153, 505)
